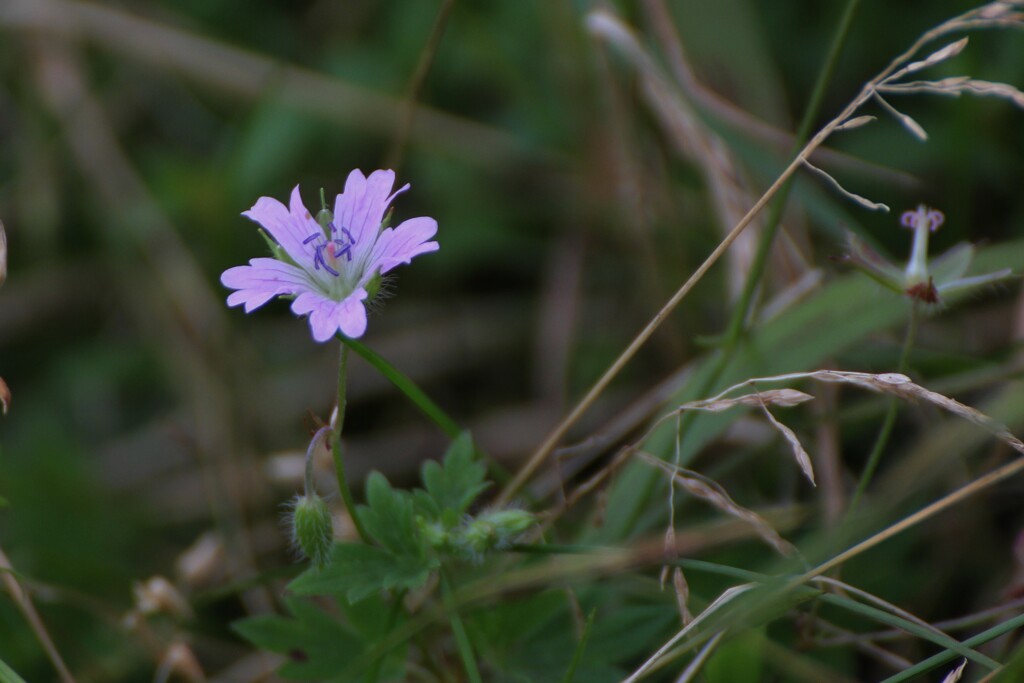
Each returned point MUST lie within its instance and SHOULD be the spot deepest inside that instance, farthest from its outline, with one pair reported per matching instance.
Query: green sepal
(276, 250)
(975, 281)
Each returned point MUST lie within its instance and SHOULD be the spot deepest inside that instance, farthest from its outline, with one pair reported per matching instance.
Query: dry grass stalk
(695, 665)
(954, 675)
(721, 601)
(995, 14)
(801, 456)
(23, 602)
(711, 492)
(893, 384)
(692, 139)
(682, 595)
(785, 398)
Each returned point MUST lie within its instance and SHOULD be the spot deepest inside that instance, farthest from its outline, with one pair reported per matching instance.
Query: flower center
(337, 242)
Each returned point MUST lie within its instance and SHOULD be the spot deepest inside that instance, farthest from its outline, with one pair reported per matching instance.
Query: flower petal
(327, 316)
(399, 245)
(262, 280)
(289, 227)
(360, 209)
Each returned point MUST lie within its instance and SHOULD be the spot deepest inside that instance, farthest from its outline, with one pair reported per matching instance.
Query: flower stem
(339, 462)
(459, 630)
(890, 416)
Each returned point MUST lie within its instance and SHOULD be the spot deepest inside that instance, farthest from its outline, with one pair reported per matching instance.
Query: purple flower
(923, 279)
(329, 269)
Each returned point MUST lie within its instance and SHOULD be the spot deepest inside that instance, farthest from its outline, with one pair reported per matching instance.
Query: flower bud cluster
(477, 535)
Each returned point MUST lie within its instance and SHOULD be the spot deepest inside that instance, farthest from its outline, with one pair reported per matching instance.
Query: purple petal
(327, 316)
(399, 245)
(262, 280)
(361, 207)
(288, 226)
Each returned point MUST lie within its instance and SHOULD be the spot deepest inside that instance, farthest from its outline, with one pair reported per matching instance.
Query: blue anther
(318, 255)
(346, 249)
(318, 260)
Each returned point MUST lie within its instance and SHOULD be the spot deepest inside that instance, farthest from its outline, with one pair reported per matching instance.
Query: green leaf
(8, 675)
(317, 645)
(948, 655)
(389, 517)
(458, 483)
(739, 660)
(358, 571)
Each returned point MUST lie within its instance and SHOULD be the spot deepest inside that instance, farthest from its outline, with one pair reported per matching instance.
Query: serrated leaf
(455, 485)
(358, 571)
(388, 517)
(317, 645)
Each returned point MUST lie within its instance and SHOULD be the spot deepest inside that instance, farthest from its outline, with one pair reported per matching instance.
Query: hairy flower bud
(494, 529)
(433, 533)
(312, 529)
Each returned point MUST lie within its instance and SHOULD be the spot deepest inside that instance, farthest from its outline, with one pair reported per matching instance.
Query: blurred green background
(132, 135)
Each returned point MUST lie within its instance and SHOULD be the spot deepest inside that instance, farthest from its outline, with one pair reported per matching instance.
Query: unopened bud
(324, 216)
(312, 529)
(433, 533)
(494, 529)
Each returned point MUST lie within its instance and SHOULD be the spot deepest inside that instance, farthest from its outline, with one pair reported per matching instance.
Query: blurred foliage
(145, 412)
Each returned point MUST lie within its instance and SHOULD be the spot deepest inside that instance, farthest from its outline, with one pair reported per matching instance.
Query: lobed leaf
(455, 485)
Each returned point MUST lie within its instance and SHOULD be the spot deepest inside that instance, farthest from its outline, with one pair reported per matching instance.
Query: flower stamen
(335, 248)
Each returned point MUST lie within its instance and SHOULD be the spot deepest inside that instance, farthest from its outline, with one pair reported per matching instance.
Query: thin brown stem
(419, 77)
(603, 22)
(28, 610)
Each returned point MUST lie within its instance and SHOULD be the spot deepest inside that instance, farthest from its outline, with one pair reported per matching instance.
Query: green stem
(339, 462)
(420, 399)
(890, 416)
(406, 386)
(581, 647)
(459, 630)
(741, 311)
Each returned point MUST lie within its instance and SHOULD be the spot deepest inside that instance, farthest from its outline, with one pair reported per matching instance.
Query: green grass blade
(7, 674)
(948, 655)
(577, 656)
(940, 639)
